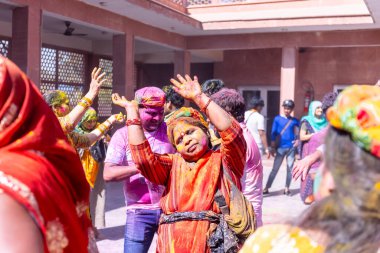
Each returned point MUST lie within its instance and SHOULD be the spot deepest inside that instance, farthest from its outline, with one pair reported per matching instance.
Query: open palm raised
(121, 101)
(187, 87)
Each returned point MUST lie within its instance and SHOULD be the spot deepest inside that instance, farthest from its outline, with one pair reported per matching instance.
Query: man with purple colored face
(141, 196)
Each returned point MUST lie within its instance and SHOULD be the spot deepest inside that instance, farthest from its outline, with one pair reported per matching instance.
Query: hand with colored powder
(122, 101)
(186, 87)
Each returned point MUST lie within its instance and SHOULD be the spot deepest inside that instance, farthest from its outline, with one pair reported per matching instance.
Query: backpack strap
(245, 121)
(219, 198)
(286, 126)
(221, 201)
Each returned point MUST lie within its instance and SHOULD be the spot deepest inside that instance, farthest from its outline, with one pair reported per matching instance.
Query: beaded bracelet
(133, 122)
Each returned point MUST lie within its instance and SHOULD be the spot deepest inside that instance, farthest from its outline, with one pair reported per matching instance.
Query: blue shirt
(289, 136)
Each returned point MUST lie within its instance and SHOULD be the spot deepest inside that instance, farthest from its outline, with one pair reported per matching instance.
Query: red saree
(38, 167)
(192, 189)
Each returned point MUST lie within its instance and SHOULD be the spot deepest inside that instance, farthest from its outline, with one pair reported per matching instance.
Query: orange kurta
(191, 189)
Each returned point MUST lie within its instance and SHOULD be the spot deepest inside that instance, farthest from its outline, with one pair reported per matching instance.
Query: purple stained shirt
(252, 180)
(138, 191)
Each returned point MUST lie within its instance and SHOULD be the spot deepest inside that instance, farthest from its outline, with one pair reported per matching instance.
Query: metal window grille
(207, 2)
(104, 98)
(48, 65)
(198, 2)
(4, 47)
(63, 70)
(180, 2)
(70, 67)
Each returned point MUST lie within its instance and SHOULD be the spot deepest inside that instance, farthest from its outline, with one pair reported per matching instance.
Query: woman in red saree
(193, 175)
(43, 190)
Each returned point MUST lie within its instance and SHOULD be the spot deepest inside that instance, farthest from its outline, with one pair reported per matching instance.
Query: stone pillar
(123, 53)
(182, 62)
(288, 73)
(26, 41)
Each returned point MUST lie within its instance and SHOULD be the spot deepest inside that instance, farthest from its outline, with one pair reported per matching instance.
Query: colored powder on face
(90, 115)
(179, 129)
(62, 110)
(151, 117)
(197, 136)
(179, 148)
(204, 141)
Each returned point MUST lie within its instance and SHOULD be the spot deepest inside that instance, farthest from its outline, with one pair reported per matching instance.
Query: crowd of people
(193, 176)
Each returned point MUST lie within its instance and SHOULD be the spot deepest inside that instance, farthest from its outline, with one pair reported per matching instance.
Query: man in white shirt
(256, 125)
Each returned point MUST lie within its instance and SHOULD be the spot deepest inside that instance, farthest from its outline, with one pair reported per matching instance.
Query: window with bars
(104, 98)
(207, 2)
(4, 47)
(63, 70)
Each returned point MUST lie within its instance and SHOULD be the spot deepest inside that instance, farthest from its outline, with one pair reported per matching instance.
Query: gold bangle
(89, 101)
(84, 105)
(86, 102)
(102, 128)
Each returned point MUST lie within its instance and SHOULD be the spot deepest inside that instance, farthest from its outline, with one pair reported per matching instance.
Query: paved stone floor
(276, 208)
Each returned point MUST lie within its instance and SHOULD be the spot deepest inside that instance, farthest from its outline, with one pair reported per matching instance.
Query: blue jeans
(139, 229)
(280, 155)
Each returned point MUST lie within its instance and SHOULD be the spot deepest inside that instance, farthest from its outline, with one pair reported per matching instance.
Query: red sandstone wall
(203, 71)
(160, 74)
(250, 67)
(155, 74)
(323, 67)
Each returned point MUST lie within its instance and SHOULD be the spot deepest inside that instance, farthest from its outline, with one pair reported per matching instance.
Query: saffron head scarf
(357, 111)
(38, 167)
(150, 97)
(316, 123)
(187, 114)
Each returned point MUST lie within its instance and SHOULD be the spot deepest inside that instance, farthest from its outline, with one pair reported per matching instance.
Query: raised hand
(187, 87)
(122, 101)
(97, 79)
